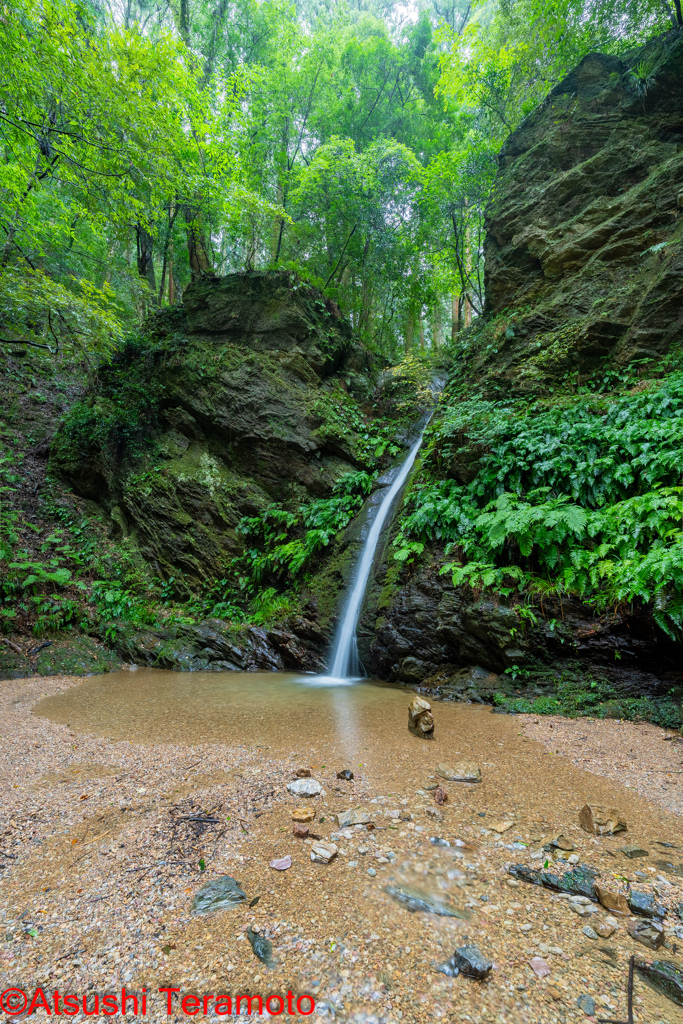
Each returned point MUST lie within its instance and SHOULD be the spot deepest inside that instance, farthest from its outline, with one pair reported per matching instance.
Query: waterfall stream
(344, 657)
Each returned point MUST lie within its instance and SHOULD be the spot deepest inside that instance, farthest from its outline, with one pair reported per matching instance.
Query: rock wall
(242, 416)
(585, 229)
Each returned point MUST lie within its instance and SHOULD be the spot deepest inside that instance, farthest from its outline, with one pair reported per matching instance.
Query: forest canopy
(147, 143)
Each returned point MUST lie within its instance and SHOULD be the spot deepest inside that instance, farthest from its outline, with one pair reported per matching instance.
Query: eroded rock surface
(585, 226)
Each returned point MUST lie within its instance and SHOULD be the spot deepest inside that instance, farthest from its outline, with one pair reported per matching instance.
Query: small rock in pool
(345, 774)
(303, 773)
(466, 960)
(262, 947)
(415, 900)
(218, 894)
(282, 863)
(304, 787)
(299, 830)
(590, 932)
(438, 841)
(354, 816)
(587, 1004)
(604, 929)
(372, 872)
(440, 795)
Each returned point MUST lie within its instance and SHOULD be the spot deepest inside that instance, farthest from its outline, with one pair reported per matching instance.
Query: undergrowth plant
(581, 497)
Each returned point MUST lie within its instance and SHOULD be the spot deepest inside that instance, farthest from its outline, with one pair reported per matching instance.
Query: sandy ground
(638, 755)
(102, 860)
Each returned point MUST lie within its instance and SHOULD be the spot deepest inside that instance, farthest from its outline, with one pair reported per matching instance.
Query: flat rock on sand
(463, 771)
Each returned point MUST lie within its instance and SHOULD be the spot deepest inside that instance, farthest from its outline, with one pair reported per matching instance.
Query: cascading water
(344, 658)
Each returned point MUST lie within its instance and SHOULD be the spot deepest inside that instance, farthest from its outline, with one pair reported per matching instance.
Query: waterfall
(344, 655)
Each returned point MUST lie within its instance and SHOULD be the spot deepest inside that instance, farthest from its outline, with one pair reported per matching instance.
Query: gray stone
(632, 852)
(262, 947)
(356, 816)
(464, 771)
(650, 933)
(218, 894)
(643, 903)
(372, 872)
(304, 787)
(416, 900)
(466, 960)
(587, 1004)
(590, 932)
(323, 852)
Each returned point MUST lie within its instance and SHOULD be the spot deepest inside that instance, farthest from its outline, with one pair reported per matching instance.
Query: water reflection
(273, 708)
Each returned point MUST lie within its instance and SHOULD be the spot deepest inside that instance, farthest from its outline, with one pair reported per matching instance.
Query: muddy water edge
(101, 780)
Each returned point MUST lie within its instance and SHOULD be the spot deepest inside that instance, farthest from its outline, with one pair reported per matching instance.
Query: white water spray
(345, 664)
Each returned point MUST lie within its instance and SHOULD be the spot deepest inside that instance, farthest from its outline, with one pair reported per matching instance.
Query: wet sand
(105, 864)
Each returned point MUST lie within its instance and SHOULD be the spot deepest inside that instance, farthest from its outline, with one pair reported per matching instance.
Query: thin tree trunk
(436, 330)
(455, 316)
(410, 330)
(171, 284)
(146, 258)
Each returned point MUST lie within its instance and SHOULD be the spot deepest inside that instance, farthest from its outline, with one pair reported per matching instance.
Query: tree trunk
(422, 335)
(436, 328)
(171, 284)
(468, 311)
(197, 250)
(455, 317)
(146, 258)
(410, 330)
(365, 305)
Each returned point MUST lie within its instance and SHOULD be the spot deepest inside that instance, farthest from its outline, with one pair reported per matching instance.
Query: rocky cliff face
(585, 230)
(233, 406)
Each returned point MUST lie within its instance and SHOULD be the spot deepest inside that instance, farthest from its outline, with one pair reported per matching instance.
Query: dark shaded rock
(634, 852)
(587, 1004)
(219, 894)
(262, 947)
(212, 646)
(643, 903)
(578, 882)
(346, 775)
(466, 960)
(417, 901)
(666, 977)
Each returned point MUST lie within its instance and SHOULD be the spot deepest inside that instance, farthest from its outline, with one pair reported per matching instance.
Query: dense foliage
(147, 144)
(577, 496)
